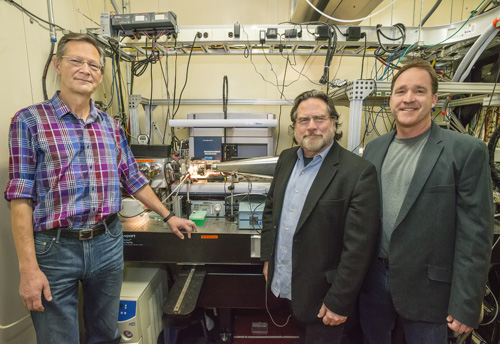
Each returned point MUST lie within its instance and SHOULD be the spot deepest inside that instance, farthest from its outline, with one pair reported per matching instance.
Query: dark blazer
(439, 252)
(336, 233)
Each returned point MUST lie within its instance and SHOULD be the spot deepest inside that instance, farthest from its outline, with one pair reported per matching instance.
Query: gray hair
(79, 37)
(332, 112)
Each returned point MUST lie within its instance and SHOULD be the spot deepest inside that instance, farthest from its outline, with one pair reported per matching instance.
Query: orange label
(209, 236)
(145, 160)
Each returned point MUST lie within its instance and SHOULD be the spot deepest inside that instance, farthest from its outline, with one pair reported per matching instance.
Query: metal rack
(355, 92)
(352, 95)
(221, 40)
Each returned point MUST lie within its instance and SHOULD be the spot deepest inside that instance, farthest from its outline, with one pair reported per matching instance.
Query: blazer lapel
(377, 154)
(428, 157)
(282, 180)
(326, 173)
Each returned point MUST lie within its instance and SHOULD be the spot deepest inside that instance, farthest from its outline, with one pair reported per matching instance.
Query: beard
(315, 141)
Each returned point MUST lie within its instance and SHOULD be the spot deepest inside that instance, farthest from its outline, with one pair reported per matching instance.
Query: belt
(384, 261)
(82, 234)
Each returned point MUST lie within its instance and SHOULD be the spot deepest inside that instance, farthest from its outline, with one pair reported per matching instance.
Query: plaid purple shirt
(70, 169)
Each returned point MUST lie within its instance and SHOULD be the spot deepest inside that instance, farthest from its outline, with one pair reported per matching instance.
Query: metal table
(225, 262)
(217, 242)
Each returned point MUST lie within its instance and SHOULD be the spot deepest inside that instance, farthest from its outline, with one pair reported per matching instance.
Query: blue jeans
(378, 315)
(98, 264)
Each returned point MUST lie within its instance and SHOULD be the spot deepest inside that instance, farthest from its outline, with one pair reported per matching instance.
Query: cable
(496, 307)
(132, 216)
(187, 75)
(246, 194)
(271, 65)
(330, 52)
(121, 105)
(491, 95)
(270, 316)
(46, 69)
(350, 20)
(175, 79)
(225, 94)
(281, 108)
(472, 13)
(367, 122)
(150, 101)
(496, 242)
(431, 12)
(113, 72)
(248, 54)
(340, 62)
(3, 327)
(165, 79)
(22, 9)
(252, 212)
(411, 47)
(402, 31)
(177, 188)
(140, 66)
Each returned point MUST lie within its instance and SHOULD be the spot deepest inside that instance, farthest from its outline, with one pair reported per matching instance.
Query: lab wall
(25, 46)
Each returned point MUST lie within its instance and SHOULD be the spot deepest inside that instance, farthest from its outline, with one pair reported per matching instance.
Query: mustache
(313, 133)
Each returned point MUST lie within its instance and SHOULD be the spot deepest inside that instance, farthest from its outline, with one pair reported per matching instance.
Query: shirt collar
(322, 155)
(62, 109)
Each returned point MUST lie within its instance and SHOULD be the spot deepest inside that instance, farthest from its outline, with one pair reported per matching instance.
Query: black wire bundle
(139, 67)
(121, 105)
(387, 50)
(332, 48)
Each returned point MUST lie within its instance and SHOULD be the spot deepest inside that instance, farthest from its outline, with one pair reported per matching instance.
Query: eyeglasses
(316, 119)
(78, 62)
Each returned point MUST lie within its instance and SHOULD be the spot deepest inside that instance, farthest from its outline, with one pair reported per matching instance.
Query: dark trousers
(378, 316)
(319, 333)
(312, 332)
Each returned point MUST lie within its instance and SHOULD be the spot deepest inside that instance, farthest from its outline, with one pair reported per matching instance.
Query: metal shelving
(220, 40)
(446, 44)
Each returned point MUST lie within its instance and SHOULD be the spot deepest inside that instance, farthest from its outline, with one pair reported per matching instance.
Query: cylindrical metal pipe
(53, 36)
(264, 166)
(115, 6)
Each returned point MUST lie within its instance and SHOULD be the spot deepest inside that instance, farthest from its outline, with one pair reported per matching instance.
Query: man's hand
(330, 318)
(264, 270)
(176, 224)
(148, 197)
(31, 287)
(457, 326)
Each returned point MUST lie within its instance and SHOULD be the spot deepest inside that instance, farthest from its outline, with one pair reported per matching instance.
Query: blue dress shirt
(296, 192)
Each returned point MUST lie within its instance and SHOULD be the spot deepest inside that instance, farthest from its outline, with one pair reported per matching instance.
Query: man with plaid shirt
(67, 163)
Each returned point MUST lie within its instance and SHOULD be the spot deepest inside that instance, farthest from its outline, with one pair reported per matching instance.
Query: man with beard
(320, 222)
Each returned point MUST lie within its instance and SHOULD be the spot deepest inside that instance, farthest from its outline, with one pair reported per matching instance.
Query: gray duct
(256, 166)
(474, 53)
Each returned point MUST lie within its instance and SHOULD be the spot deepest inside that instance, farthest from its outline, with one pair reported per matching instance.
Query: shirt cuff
(20, 188)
